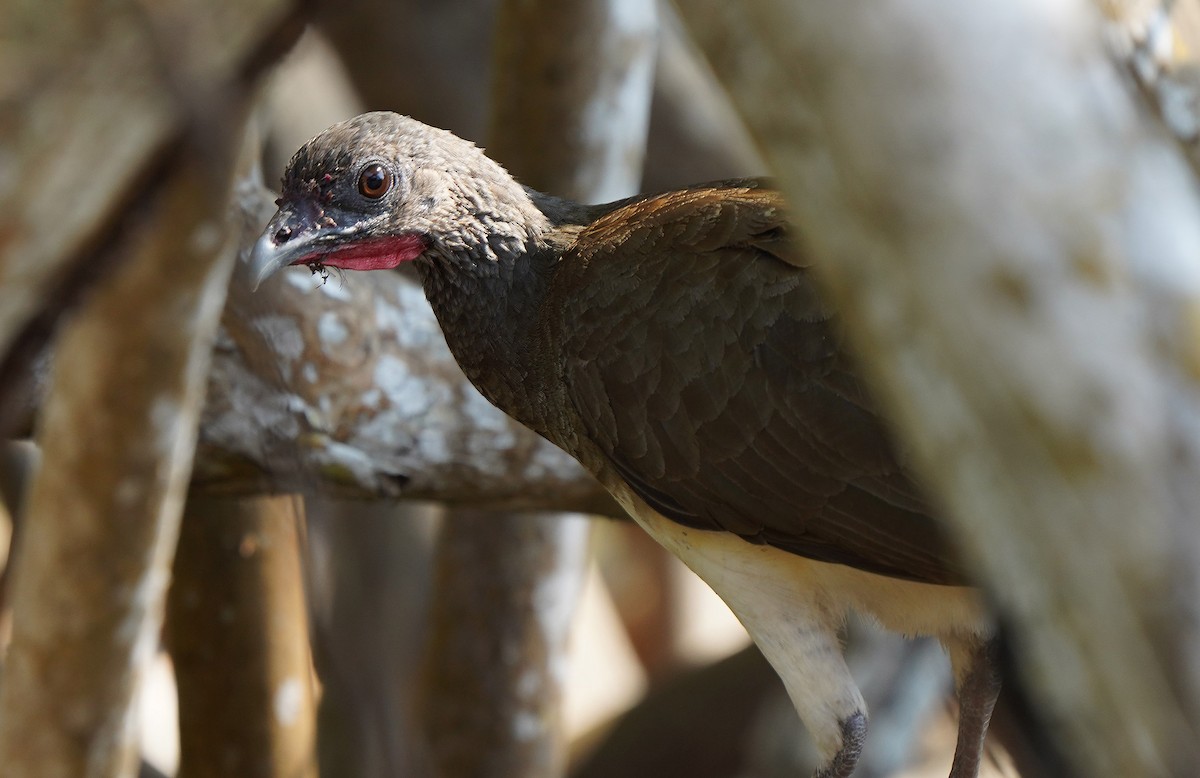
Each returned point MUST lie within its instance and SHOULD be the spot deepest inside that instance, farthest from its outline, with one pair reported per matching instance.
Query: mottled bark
(347, 383)
(238, 636)
(1013, 244)
(103, 130)
(117, 436)
(505, 586)
(96, 114)
(369, 583)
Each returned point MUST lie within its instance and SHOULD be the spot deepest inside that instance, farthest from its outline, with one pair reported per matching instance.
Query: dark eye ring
(374, 181)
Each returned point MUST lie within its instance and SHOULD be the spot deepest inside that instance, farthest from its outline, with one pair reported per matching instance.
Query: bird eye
(374, 181)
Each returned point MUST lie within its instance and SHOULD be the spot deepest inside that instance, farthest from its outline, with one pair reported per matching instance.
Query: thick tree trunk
(238, 635)
(369, 579)
(505, 588)
(1013, 245)
(117, 437)
(118, 176)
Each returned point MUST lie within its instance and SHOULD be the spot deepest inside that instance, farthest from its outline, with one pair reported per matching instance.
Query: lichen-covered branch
(345, 382)
(1014, 247)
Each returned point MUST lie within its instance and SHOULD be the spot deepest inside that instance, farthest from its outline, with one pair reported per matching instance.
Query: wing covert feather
(704, 365)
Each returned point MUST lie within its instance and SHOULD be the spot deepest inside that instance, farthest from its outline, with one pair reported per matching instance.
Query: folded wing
(707, 369)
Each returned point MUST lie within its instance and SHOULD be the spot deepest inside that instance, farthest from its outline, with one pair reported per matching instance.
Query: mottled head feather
(444, 187)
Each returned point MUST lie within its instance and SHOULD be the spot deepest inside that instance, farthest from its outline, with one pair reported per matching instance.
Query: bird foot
(854, 735)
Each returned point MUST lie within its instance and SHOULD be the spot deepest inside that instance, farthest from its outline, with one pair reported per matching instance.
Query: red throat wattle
(376, 254)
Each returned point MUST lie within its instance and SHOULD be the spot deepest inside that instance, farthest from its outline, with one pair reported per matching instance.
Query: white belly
(794, 607)
(774, 578)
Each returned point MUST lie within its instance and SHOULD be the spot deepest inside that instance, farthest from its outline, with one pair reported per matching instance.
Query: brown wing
(706, 368)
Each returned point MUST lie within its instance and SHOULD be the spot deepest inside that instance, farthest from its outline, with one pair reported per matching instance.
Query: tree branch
(118, 430)
(104, 69)
(1013, 247)
(237, 632)
(348, 382)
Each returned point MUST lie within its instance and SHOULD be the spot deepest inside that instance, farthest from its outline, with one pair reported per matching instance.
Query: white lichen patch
(411, 321)
(382, 434)
(288, 702)
(526, 726)
(285, 339)
(305, 283)
(361, 463)
(408, 394)
(336, 289)
(331, 330)
(205, 239)
(481, 414)
(549, 461)
(528, 684)
(223, 340)
(372, 397)
(251, 410)
(309, 372)
(434, 446)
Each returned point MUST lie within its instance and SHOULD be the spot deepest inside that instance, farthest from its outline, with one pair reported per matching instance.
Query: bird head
(382, 189)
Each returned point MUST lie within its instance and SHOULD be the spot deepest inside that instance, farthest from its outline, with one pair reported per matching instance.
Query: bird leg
(799, 637)
(977, 680)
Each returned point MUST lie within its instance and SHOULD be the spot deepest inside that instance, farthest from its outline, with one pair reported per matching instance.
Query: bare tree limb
(571, 95)
(117, 438)
(238, 636)
(369, 586)
(130, 93)
(348, 383)
(144, 169)
(1014, 248)
(504, 592)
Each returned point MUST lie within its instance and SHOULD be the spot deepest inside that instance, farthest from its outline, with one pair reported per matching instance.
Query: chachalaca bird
(677, 345)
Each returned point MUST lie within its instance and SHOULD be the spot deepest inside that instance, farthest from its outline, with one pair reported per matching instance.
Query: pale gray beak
(266, 258)
(290, 240)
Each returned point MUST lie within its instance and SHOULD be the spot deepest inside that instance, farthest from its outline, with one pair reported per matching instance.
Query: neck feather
(486, 282)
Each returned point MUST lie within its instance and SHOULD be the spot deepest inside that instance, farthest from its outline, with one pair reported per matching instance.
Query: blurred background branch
(1026, 315)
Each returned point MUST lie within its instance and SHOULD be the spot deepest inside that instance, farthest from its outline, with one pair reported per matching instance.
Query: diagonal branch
(1012, 242)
